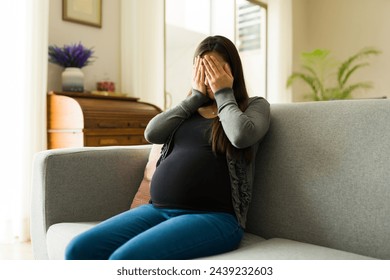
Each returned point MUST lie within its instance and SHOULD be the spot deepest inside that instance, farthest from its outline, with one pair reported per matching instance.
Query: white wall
(279, 55)
(300, 34)
(105, 41)
(344, 27)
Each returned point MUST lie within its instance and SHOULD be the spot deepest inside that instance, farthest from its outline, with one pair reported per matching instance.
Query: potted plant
(72, 57)
(327, 78)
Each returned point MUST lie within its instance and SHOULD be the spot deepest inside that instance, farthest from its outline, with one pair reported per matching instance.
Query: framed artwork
(88, 12)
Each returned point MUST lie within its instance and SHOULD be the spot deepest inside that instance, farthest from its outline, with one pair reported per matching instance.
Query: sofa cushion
(322, 176)
(143, 194)
(59, 236)
(252, 247)
(284, 249)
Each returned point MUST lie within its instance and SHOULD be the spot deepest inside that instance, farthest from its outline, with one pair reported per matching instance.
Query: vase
(72, 80)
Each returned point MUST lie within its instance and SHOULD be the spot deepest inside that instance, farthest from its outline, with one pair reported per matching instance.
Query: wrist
(194, 101)
(224, 96)
(199, 96)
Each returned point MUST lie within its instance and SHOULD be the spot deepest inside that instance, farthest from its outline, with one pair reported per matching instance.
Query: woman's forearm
(243, 129)
(161, 126)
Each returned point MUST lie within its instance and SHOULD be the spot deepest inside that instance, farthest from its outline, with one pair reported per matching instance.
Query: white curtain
(23, 56)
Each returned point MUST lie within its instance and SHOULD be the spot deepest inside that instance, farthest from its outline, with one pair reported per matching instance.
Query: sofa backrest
(323, 176)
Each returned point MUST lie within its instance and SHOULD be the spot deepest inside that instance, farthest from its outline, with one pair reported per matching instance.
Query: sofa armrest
(82, 185)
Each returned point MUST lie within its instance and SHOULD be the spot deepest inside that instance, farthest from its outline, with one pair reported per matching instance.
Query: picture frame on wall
(88, 12)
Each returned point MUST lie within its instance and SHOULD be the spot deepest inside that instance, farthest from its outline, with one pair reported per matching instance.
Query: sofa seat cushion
(252, 247)
(59, 236)
(284, 249)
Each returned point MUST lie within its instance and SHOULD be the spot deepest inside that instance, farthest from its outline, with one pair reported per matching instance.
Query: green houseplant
(327, 78)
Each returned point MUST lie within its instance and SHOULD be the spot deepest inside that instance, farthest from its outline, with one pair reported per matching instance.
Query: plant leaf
(348, 62)
(312, 82)
(346, 92)
(349, 73)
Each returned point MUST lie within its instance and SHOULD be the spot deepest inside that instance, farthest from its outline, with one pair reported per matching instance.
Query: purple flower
(74, 55)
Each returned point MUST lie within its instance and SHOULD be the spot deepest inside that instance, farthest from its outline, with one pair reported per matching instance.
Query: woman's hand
(218, 75)
(198, 77)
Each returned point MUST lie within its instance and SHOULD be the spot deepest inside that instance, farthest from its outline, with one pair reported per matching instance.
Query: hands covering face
(211, 75)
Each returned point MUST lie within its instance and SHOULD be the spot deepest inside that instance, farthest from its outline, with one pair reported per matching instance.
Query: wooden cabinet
(84, 119)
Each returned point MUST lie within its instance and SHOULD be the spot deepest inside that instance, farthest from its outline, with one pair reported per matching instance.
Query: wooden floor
(16, 251)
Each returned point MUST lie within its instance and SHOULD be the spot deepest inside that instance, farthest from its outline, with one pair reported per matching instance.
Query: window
(251, 41)
(187, 22)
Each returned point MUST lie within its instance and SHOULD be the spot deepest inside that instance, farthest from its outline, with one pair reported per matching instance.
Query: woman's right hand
(198, 77)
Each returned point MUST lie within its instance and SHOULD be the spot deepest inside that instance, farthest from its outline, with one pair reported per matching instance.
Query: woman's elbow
(152, 136)
(249, 138)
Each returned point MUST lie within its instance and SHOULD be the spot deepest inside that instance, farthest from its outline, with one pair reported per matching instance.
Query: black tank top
(192, 176)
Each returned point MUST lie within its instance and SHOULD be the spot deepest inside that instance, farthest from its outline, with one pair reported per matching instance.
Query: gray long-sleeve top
(243, 129)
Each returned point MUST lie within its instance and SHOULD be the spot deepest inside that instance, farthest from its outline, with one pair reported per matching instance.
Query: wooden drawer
(114, 140)
(115, 123)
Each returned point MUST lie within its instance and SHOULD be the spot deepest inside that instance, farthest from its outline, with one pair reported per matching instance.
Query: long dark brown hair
(227, 50)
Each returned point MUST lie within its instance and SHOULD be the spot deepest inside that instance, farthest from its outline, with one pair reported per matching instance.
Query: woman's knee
(74, 250)
(83, 248)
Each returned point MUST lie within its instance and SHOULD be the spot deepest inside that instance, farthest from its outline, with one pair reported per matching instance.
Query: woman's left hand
(218, 76)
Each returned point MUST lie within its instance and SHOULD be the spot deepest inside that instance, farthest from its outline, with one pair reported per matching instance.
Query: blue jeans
(151, 233)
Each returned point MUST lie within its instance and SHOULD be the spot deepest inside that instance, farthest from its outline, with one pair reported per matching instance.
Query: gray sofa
(322, 186)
